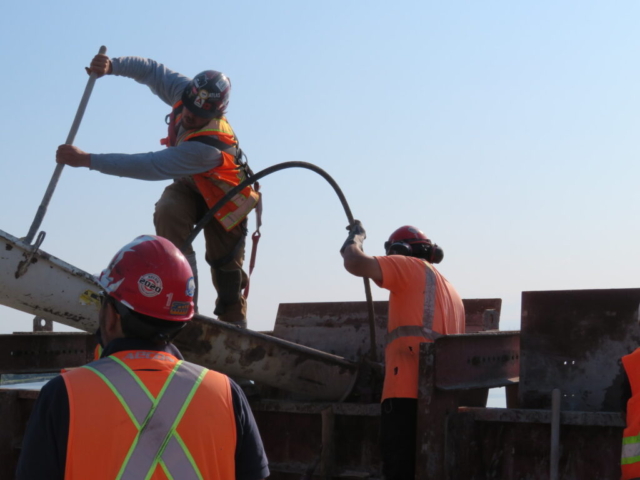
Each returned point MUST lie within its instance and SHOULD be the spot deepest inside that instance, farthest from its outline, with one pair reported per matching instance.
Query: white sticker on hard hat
(191, 287)
(150, 285)
(106, 280)
(222, 84)
(203, 94)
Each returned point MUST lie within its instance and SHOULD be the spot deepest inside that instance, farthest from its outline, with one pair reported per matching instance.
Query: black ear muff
(398, 248)
(435, 254)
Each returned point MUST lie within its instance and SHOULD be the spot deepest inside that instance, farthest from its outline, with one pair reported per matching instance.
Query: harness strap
(212, 141)
(255, 239)
(428, 314)
(156, 419)
(237, 153)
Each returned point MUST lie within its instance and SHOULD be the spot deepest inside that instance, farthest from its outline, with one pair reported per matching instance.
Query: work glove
(356, 236)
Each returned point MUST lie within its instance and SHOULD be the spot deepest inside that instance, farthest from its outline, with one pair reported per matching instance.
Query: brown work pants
(180, 207)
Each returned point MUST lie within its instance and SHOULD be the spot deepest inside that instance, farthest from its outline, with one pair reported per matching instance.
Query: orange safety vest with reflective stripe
(215, 183)
(630, 461)
(147, 415)
(422, 313)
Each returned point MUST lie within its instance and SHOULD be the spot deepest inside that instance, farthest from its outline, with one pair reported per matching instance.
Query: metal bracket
(23, 266)
(42, 325)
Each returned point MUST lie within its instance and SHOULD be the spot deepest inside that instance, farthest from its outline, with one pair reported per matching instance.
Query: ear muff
(398, 248)
(435, 254)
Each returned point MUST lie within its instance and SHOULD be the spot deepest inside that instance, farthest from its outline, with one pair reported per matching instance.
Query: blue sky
(507, 131)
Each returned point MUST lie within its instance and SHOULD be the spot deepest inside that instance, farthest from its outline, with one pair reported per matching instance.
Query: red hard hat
(408, 234)
(207, 95)
(152, 277)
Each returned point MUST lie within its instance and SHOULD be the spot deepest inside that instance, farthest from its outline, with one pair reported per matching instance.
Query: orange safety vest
(215, 183)
(142, 414)
(630, 461)
(441, 312)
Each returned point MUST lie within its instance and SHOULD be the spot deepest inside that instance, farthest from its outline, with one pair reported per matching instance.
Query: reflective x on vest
(428, 313)
(156, 419)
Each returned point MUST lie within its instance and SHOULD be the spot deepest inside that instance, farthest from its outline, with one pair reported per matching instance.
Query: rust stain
(8, 246)
(252, 355)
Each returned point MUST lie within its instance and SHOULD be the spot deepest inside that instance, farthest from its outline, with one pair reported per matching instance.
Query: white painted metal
(50, 288)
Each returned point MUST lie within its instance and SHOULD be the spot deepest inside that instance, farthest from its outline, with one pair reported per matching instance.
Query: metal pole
(555, 434)
(42, 209)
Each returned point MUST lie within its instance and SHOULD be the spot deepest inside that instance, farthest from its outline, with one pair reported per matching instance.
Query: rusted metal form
(308, 373)
(30, 353)
(574, 340)
(44, 352)
(15, 408)
(571, 341)
(341, 440)
(449, 368)
(320, 440)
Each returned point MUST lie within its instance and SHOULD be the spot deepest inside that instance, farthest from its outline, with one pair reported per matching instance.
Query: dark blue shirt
(44, 449)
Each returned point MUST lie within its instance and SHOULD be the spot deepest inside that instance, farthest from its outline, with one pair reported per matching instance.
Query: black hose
(250, 180)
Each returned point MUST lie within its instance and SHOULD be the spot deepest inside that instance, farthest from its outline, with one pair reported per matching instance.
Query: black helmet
(207, 95)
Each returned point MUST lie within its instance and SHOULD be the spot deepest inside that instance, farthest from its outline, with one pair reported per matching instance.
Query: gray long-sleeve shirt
(188, 158)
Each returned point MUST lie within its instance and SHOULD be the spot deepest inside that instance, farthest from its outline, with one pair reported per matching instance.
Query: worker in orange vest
(422, 306)
(630, 461)
(141, 411)
(204, 160)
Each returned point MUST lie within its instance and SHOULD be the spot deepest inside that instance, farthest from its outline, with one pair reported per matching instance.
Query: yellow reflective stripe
(629, 461)
(628, 440)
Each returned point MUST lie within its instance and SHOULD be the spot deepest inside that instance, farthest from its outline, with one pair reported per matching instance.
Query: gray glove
(357, 235)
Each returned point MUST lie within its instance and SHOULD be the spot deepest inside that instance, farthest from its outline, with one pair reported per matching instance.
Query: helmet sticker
(179, 308)
(191, 287)
(106, 280)
(200, 81)
(198, 102)
(203, 94)
(222, 84)
(150, 285)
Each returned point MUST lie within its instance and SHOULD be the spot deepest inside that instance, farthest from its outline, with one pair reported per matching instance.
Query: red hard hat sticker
(150, 285)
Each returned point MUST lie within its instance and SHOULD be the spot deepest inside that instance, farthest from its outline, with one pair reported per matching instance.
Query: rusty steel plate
(44, 352)
(573, 340)
(472, 360)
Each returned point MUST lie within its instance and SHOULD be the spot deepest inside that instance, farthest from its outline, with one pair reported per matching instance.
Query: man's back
(421, 298)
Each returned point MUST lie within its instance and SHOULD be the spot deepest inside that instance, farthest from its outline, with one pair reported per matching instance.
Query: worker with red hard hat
(141, 411)
(204, 160)
(423, 305)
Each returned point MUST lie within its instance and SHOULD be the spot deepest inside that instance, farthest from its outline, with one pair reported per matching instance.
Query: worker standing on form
(203, 159)
(422, 306)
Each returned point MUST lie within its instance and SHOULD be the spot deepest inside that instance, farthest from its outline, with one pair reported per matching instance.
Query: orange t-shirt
(411, 303)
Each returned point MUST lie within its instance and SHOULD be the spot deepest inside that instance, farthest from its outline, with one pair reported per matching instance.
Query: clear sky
(507, 131)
